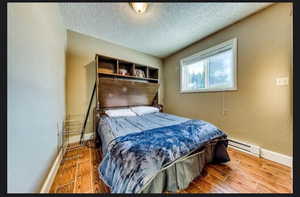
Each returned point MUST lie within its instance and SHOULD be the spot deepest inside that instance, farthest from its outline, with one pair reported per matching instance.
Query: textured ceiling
(162, 30)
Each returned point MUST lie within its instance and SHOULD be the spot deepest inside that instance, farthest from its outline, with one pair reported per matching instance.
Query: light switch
(282, 81)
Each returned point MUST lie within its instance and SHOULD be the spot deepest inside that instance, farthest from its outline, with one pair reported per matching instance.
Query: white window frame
(207, 52)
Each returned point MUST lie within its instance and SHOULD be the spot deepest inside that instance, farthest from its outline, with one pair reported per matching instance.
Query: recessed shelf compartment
(125, 68)
(153, 73)
(107, 65)
(141, 71)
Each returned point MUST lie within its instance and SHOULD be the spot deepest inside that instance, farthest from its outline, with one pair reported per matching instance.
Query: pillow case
(119, 112)
(140, 110)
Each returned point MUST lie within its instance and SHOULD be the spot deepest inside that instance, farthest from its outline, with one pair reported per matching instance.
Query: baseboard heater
(245, 147)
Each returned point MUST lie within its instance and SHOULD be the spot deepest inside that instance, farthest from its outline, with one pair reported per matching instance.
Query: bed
(154, 152)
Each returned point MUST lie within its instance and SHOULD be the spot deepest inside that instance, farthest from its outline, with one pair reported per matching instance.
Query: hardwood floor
(245, 173)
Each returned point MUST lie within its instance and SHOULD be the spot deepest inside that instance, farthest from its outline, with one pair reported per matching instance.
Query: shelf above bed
(125, 76)
(122, 69)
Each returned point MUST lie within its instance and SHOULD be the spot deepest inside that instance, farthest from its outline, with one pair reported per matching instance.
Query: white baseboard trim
(277, 157)
(52, 173)
(257, 151)
(76, 138)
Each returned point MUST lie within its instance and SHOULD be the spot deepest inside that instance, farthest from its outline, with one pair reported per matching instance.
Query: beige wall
(259, 112)
(81, 71)
(36, 41)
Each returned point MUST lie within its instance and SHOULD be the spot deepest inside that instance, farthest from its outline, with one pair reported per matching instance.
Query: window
(213, 69)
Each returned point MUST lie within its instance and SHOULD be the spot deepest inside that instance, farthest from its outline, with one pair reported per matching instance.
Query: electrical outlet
(282, 81)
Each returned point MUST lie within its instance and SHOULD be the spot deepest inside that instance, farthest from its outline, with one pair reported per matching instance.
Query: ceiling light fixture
(140, 7)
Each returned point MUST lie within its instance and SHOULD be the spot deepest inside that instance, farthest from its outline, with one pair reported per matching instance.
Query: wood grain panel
(123, 93)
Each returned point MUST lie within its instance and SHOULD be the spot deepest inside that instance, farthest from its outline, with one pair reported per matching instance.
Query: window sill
(207, 91)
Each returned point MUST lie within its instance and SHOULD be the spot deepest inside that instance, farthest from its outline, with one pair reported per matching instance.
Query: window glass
(213, 69)
(221, 70)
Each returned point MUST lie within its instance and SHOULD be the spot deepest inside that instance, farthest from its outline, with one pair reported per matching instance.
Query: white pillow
(119, 112)
(140, 110)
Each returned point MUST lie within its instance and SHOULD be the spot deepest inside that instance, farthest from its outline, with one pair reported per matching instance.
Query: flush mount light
(140, 7)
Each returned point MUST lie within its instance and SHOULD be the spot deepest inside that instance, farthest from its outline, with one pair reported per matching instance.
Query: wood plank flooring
(245, 173)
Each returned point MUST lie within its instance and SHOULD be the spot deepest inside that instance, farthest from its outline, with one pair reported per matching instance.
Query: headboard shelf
(112, 67)
(120, 83)
(112, 75)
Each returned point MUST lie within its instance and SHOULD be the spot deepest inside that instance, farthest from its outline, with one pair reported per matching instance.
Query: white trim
(263, 153)
(76, 138)
(52, 173)
(205, 53)
(209, 90)
(277, 157)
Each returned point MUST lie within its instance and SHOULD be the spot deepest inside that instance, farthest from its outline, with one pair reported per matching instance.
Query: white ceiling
(162, 30)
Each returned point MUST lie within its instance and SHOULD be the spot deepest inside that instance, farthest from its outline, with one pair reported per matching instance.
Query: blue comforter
(133, 159)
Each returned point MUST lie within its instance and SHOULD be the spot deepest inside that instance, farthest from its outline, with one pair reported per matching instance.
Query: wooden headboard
(123, 93)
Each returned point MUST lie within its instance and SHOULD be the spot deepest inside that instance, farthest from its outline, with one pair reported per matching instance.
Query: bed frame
(114, 91)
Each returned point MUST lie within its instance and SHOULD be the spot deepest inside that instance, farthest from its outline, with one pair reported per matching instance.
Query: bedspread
(110, 128)
(133, 159)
